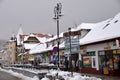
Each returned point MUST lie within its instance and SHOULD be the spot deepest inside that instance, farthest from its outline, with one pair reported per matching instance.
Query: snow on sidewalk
(65, 74)
(19, 75)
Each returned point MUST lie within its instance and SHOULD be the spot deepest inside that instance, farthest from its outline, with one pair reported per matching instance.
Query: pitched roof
(104, 30)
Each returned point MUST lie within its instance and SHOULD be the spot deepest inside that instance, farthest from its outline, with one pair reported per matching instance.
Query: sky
(36, 16)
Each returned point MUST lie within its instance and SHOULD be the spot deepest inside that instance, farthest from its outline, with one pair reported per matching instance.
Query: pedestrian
(66, 64)
(77, 64)
(73, 64)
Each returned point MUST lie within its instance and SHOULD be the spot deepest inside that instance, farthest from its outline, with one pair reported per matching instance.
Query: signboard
(107, 48)
(74, 44)
(73, 33)
(55, 49)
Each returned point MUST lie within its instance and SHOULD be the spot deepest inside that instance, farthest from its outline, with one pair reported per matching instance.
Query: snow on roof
(50, 39)
(42, 48)
(26, 37)
(30, 46)
(86, 26)
(38, 48)
(31, 35)
(55, 37)
(43, 39)
(104, 30)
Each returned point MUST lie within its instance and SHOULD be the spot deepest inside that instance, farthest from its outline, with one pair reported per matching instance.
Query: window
(105, 58)
(116, 59)
(88, 60)
(106, 26)
(116, 21)
(93, 62)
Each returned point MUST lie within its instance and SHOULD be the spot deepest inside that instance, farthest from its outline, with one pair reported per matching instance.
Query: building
(100, 47)
(11, 47)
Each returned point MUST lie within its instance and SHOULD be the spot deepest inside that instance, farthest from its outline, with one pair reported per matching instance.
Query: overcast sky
(36, 15)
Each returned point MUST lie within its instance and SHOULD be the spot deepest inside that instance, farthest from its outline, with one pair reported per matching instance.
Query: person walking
(66, 64)
(73, 64)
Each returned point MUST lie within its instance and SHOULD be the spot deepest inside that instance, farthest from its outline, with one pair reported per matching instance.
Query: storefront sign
(118, 51)
(73, 33)
(92, 53)
(83, 49)
(107, 48)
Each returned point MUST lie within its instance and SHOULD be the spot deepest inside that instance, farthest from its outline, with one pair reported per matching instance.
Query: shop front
(89, 63)
(111, 59)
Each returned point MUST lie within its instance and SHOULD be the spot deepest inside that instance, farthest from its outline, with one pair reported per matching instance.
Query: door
(93, 62)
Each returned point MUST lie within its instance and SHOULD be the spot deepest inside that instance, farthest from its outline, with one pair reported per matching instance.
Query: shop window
(105, 58)
(93, 62)
(88, 61)
(116, 59)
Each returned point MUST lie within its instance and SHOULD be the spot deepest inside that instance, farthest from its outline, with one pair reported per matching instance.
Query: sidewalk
(103, 77)
(32, 74)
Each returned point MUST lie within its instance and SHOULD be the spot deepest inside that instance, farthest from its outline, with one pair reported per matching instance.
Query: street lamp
(57, 12)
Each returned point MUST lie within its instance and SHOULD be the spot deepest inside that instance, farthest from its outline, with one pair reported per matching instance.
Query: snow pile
(19, 75)
(45, 78)
(67, 75)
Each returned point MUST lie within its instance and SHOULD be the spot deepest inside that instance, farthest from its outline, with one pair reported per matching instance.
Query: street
(7, 76)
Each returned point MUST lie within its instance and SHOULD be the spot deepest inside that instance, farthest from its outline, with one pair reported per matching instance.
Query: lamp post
(57, 12)
(70, 57)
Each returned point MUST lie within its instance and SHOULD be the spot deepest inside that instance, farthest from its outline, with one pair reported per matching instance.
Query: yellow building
(11, 52)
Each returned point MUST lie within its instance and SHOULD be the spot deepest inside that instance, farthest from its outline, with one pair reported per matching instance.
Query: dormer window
(106, 25)
(116, 21)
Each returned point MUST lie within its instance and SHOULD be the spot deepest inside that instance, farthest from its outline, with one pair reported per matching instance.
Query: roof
(42, 48)
(30, 46)
(103, 31)
(38, 48)
(86, 26)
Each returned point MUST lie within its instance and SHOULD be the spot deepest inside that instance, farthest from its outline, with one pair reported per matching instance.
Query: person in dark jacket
(66, 64)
